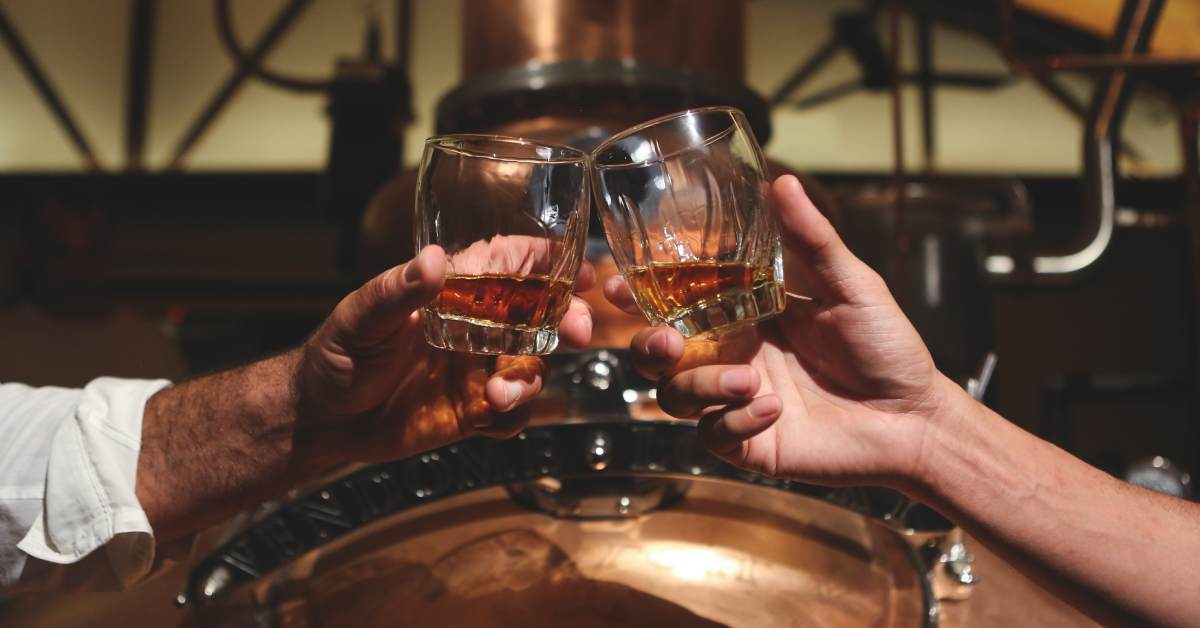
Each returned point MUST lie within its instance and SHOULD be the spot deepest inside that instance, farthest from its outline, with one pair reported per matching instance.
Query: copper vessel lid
(600, 524)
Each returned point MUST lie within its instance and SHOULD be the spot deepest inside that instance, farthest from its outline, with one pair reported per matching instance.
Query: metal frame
(282, 21)
(141, 50)
(41, 83)
(253, 64)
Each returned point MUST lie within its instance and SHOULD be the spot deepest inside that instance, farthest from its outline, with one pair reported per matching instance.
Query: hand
(371, 389)
(837, 391)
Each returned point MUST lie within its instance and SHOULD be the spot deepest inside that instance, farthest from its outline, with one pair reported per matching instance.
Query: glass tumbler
(687, 210)
(512, 216)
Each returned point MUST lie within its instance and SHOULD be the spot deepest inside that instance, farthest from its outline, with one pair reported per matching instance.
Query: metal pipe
(1067, 100)
(965, 80)
(1189, 136)
(1112, 94)
(806, 70)
(1109, 101)
(899, 274)
(828, 94)
(137, 99)
(403, 34)
(228, 38)
(29, 65)
(926, 74)
(816, 61)
(1083, 61)
(1111, 61)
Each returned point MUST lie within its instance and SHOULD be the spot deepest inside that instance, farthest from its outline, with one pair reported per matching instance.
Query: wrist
(941, 434)
(965, 442)
(318, 442)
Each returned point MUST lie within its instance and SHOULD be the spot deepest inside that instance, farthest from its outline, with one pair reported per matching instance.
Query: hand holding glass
(687, 212)
(512, 217)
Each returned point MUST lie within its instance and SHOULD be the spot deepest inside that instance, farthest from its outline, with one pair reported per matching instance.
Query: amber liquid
(675, 289)
(534, 301)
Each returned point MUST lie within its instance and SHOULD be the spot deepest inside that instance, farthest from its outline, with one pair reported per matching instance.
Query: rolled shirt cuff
(90, 495)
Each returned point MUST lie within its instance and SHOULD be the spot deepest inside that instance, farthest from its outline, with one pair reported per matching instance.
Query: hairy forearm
(218, 444)
(1113, 549)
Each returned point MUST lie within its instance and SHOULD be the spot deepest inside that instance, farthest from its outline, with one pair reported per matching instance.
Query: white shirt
(68, 469)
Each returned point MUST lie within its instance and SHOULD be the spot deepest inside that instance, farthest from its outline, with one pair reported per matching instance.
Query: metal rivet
(599, 452)
(216, 581)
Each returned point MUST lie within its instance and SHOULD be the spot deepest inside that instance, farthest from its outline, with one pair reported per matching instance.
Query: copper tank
(575, 71)
(502, 34)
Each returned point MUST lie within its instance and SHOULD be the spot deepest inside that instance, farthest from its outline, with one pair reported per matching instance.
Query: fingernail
(412, 272)
(763, 407)
(735, 381)
(794, 180)
(512, 393)
(657, 345)
(587, 321)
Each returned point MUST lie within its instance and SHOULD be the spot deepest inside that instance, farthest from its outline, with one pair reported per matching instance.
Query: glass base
(760, 303)
(474, 336)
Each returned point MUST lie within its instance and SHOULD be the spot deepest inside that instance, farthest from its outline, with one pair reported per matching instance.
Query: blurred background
(187, 185)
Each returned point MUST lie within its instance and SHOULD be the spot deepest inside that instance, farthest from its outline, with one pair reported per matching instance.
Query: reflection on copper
(727, 555)
(693, 563)
(704, 36)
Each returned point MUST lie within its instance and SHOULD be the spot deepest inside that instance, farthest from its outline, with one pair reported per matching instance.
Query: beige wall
(82, 45)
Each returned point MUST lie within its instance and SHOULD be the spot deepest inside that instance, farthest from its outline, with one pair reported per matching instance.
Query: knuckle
(379, 285)
(676, 400)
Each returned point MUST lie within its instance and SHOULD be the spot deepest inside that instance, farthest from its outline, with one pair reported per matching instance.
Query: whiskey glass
(687, 211)
(512, 216)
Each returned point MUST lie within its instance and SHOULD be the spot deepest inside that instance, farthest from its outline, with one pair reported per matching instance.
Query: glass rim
(451, 143)
(735, 115)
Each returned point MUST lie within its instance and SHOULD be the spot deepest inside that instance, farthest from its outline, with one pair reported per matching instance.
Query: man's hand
(365, 387)
(837, 391)
(370, 388)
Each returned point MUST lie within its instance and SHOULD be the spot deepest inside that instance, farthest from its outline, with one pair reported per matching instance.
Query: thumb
(385, 303)
(808, 234)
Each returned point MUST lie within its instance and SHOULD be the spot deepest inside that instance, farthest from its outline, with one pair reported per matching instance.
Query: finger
(688, 393)
(725, 431)
(575, 331)
(617, 292)
(586, 277)
(517, 380)
(835, 271)
(656, 351)
(736, 346)
(385, 303)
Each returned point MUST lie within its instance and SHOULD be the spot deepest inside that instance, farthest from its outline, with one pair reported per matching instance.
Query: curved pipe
(254, 66)
(1099, 190)
(1099, 168)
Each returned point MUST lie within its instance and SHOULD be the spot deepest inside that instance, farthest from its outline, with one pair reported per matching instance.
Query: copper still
(575, 72)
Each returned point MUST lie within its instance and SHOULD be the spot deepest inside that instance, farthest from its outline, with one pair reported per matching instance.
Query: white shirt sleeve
(68, 470)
